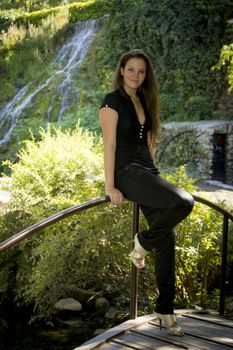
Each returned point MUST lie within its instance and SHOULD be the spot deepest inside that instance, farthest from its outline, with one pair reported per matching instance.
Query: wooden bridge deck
(202, 331)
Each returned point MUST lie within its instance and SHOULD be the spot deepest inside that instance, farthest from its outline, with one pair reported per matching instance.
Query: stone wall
(200, 145)
(229, 158)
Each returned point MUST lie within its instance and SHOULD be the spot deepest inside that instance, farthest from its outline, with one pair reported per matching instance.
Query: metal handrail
(38, 227)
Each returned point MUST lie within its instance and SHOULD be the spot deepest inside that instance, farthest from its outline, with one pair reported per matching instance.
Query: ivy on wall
(184, 40)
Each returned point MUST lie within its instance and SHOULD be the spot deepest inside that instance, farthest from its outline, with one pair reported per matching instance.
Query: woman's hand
(115, 196)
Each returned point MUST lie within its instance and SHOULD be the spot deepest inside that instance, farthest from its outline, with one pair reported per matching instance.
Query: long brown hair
(149, 89)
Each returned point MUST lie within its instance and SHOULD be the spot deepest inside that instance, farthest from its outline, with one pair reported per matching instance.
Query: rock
(101, 304)
(112, 313)
(68, 304)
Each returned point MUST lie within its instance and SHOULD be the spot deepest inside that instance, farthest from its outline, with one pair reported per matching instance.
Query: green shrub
(78, 11)
(8, 17)
(89, 10)
(61, 170)
(64, 169)
(54, 167)
(47, 29)
(183, 56)
(226, 62)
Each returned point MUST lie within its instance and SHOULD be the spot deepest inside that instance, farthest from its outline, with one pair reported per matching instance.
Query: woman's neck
(131, 92)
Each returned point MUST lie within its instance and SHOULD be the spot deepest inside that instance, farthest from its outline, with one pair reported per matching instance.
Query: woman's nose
(136, 74)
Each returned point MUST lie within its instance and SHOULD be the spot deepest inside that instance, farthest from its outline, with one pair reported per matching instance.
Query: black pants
(164, 206)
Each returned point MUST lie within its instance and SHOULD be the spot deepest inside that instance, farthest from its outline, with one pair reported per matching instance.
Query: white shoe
(138, 254)
(170, 324)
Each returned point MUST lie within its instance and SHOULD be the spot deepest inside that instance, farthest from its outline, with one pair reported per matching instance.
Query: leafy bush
(226, 62)
(13, 36)
(8, 17)
(61, 170)
(47, 29)
(90, 251)
(54, 167)
(78, 11)
(178, 41)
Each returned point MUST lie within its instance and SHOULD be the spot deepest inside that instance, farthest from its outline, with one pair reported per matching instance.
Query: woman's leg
(164, 206)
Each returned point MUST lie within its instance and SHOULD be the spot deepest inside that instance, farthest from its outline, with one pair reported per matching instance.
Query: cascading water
(62, 83)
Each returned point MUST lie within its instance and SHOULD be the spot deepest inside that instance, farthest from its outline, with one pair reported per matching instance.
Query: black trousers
(164, 206)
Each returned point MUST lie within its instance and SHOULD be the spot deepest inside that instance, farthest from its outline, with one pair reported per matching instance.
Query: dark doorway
(219, 157)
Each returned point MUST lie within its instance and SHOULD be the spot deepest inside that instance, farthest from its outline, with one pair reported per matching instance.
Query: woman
(130, 124)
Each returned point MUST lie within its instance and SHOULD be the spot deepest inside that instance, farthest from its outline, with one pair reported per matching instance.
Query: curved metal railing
(38, 227)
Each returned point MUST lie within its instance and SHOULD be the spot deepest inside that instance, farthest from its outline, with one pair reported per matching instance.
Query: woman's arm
(108, 121)
(152, 149)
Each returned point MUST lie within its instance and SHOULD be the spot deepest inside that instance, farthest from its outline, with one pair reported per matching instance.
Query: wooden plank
(208, 317)
(202, 332)
(112, 346)
(94, 343)
(186, 342)
(141, 341)
(192, 336)
(208, 330)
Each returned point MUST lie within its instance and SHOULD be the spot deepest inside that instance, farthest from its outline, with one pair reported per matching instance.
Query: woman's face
(134, 73)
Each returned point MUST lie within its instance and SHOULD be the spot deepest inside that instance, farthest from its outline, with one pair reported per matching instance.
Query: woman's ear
(122, 70)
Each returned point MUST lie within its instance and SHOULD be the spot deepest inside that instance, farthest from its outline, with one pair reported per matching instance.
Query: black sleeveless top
(131, 136)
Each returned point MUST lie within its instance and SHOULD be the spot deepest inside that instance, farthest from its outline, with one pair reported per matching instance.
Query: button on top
(141, 131)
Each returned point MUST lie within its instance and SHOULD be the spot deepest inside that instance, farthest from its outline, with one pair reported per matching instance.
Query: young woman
(129, 118)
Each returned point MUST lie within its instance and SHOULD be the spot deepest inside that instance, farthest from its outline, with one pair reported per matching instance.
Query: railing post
(223, 266)
(134, 272)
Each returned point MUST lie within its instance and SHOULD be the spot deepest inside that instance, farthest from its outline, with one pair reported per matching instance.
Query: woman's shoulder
(111, 99)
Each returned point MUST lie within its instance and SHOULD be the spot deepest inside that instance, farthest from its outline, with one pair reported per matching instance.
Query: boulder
(68, 304)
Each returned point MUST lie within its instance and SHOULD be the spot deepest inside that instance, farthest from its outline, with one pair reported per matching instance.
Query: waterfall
(62, 83)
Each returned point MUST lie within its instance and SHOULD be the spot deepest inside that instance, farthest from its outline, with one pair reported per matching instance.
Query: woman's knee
(186, 202)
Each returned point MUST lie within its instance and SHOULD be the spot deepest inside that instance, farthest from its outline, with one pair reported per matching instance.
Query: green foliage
(26, 52)
(89, 252)
(89, 9)
(54, 168)
(226, 62)
(29, 5)
(78, 11)
(8, 17)
(184, 41)
(182, 56)
(33, 34)
(29, 57)
(64, 169)
(198, 255)
(13, 36)
(61, 170)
